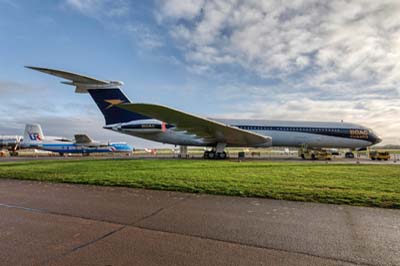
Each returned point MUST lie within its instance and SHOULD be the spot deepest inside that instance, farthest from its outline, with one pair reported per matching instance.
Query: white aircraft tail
(33, 133)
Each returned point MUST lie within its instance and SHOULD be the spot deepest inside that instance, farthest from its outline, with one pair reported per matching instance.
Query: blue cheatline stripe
(73, 148)
(58, 145)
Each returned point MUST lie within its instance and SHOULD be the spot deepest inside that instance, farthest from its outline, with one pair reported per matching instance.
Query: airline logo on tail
(113, 102)
(35, 136)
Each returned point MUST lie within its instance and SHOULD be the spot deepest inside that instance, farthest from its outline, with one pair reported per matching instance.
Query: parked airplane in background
(168, 125)
(10, 143)
(34, 138)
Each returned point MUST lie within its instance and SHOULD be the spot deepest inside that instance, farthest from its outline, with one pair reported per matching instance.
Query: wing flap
(201, 127)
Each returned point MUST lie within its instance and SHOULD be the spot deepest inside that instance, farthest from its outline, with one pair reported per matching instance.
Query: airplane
(168, 125)
(34, 138)
(10, 143)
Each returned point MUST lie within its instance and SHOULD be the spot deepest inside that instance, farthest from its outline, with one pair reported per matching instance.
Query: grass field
(365, 185)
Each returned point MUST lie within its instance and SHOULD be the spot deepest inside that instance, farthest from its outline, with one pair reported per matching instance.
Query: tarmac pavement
(62, 224)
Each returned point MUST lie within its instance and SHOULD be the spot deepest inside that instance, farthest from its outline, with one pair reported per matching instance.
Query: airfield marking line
(61, 214)
(22, 208)
(123, 226)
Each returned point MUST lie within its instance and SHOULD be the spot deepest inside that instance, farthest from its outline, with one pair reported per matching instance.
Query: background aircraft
(34, 139)
(168, 125)
(10, 143)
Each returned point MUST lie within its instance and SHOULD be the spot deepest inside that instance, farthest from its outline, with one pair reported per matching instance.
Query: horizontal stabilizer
(82, 83)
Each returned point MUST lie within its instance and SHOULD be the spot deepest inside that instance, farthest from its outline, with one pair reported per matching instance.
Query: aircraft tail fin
(105, 93)
(107, 99)
(33, 133)
(82, 139)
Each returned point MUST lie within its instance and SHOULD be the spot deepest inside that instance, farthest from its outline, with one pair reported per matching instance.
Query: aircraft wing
(83, 139)
(211, 131)
(76, 78)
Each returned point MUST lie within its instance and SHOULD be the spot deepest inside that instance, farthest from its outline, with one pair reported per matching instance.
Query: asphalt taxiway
(62, 224)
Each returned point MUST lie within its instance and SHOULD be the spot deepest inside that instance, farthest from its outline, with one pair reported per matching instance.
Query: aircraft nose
(376, 139)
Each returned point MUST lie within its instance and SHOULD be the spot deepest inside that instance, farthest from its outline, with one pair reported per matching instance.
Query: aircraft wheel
(221, 155)
(313, 156)
(211, 155)
(349, 155)
(303, 157)
(206, 153)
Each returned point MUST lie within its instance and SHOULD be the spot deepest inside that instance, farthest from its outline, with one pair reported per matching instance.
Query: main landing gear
(216, 153)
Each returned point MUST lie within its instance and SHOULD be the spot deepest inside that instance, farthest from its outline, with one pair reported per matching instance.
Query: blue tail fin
(106, 99)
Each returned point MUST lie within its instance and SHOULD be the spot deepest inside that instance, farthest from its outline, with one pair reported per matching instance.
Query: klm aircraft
(168, 125)
(34, 138)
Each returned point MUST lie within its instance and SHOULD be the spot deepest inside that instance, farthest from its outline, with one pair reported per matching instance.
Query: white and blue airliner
(34, 138)
(168, 125)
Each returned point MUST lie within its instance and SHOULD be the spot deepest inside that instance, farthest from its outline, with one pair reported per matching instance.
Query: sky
(278, 60)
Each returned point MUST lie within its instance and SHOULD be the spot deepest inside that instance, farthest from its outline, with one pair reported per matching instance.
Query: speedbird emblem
(113, 102)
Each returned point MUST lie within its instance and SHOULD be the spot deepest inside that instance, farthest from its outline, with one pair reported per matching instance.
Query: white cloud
(187, 9)
(336, 44)
(142, 35)
(101, 8)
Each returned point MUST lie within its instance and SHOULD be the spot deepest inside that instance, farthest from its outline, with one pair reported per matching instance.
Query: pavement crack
(95, 240)
(84, 245)
(158, 211)
(148, 216)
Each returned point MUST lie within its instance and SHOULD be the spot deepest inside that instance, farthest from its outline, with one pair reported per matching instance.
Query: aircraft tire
(211, 155)
(221, 155)
(313, 157)
(206, 153)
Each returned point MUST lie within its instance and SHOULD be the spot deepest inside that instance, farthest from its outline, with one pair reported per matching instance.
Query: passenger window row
(294, 129)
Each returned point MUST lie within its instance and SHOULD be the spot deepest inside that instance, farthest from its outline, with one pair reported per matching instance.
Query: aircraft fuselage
(283, 133)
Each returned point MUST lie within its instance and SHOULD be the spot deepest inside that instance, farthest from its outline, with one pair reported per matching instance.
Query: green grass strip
(361, 185)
